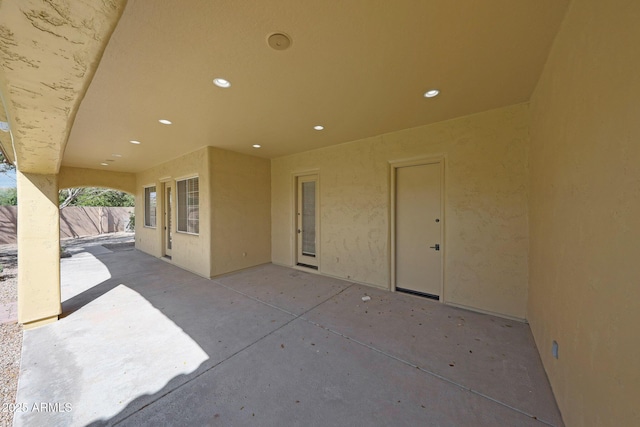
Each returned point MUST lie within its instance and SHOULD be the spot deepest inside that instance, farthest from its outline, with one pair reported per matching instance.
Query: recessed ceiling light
(221, 82)
(257, 145)
(116, 155)
(431, 93)
(135, 142)
(104, 164)
(165, 121)
(318, 127)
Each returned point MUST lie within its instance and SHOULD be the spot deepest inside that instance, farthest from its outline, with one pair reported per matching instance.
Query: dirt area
(11, 333)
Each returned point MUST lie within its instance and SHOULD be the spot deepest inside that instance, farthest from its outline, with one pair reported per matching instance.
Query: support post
(38, 249)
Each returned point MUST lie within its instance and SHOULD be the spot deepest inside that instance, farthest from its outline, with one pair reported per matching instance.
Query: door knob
(436, 247)
(299, 231)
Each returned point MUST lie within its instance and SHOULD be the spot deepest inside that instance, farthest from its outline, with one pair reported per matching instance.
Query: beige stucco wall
(486, 187)
(234, 212)
(585, 214)
(69, 177)
(39, 249)
(240, 211)
(191, 252)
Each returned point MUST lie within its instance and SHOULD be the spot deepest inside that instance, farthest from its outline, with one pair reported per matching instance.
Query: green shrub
(132, 222)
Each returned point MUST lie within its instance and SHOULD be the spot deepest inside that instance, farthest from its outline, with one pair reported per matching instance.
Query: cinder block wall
(75, 221)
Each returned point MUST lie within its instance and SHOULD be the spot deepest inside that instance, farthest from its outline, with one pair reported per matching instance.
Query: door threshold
(166, 257)
(314, 267)
(419, 294)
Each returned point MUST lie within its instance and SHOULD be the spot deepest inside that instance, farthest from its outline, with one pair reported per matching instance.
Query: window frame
(178, 198)
(145, 207)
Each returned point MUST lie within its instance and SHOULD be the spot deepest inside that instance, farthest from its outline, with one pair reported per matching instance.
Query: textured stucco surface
(234, 212)
(39, 247)
(585, 214)
(49, 51)
(189, 251)
(240, 211)
(80, 177)
(486, 191)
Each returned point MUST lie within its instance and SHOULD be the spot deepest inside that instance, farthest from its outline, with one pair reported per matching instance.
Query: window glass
(150, 206)
(189, 205)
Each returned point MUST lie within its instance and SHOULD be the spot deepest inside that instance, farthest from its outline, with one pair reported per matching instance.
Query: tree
(5, 165)
(92, 196)
(103, 197)
(8, 197)
(68, 196)
(86, 196)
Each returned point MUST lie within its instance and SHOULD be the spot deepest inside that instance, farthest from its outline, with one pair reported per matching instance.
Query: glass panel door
(307, 221)
(168, 235)
(309, 218)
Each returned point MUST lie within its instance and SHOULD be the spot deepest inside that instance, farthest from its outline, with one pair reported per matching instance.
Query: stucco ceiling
(357, 67)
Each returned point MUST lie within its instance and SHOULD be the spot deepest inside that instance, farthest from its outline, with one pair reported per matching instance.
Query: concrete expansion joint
(282, 309)
(368, 346)
(294, 317)
(259, 300)
(426, 371)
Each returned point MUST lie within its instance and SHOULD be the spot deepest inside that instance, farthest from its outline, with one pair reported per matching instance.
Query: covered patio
(142, 342)
(482, 153)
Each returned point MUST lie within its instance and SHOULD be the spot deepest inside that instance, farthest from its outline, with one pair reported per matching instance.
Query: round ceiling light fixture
(165, 121)
(104, 164)
(319, 127)
(279, 41)
(220, 82)
(431, 93)
(133, 141)
(257, 145)
(116, 155)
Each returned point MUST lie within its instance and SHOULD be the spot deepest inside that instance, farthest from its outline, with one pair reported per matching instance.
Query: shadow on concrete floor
(145, 343)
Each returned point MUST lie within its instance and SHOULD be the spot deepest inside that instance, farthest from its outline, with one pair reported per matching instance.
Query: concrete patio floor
(145, 343)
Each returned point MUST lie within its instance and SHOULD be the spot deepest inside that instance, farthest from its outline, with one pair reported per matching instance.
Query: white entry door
(306, 221)
(418, 222)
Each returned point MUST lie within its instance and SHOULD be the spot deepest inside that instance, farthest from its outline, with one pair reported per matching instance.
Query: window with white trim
(188, 205)
(150, 206)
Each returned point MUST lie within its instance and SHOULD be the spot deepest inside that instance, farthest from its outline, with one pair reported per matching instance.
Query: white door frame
(394, 165)
(167, 229)
(294, 218)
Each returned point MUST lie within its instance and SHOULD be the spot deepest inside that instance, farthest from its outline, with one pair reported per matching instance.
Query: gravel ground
(11, 339)
(11, 334)
(8, 277)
